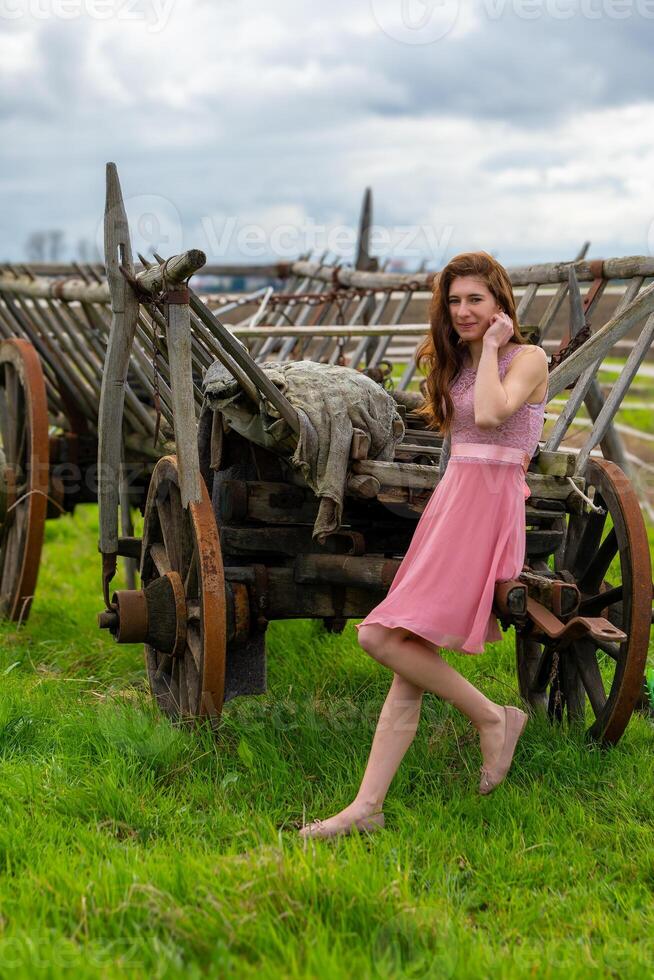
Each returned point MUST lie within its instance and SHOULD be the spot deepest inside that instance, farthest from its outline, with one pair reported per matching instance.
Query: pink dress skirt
(470, 535)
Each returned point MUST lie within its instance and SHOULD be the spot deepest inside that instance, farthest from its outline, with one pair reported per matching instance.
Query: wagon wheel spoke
(591, 676)
(186, 545)
(592, 605)
(585, 534)
(11, 551)
(195, 646)
(183, 688)
(11, 407)
(193, 683)
(23, 461)
(612, 650)
(533, 661)
(164, 667)
(23, 464)
(167, 532)
(160, 558)
(174, 684)
(191, 577)
(4, 417)
(591, 579)
(572, 687)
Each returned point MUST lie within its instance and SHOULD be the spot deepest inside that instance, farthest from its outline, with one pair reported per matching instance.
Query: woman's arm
(495, 400)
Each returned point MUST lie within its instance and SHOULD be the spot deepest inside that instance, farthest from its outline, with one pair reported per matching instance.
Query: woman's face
(471, 305)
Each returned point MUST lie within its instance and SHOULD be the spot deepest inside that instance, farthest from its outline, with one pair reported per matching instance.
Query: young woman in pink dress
(487, 391)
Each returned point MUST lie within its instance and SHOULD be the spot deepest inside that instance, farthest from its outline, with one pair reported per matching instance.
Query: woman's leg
(396, 729)
(406, 655)
(418, 667)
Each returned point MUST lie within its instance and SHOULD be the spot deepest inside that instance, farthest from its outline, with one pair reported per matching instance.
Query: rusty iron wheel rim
(192, 683)
(25, 448)
(589, 551)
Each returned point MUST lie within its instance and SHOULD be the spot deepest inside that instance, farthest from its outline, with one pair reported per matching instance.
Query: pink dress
(472, 532)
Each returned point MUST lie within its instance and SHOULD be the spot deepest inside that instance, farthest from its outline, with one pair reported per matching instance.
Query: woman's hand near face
(500, 330)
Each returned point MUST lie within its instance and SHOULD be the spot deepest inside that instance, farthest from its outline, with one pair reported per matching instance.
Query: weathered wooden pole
(366, 263)
(157, 282)
(124, 316)
(178, 329)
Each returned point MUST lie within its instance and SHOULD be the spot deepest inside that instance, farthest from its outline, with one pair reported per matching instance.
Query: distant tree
(56, 244)
(87, 251)
(35, 246)
(45, 246)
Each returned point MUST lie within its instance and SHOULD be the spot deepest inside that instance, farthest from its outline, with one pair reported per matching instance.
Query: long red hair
(442, 350)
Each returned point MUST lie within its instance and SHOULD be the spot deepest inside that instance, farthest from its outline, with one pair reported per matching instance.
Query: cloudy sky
(250, 128)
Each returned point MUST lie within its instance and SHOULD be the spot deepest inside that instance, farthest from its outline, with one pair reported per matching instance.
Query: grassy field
(131, 847)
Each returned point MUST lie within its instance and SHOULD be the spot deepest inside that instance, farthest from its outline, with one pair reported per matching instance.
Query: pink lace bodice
(522, 430)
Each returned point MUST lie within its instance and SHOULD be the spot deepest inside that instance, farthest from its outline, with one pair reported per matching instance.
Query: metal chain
(340, 294)
(570, 348)
(554, 675)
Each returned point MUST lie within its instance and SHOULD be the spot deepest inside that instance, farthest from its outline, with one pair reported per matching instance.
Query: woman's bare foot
(351, 819)
(514, 725)
(491, 739)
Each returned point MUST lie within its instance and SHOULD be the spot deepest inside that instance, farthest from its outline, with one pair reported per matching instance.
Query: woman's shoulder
(534, 351)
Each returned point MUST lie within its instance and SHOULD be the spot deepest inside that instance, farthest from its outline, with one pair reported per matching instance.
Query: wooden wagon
(227, 544)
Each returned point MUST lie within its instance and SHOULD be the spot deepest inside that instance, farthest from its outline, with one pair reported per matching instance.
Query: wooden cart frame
(224, 553)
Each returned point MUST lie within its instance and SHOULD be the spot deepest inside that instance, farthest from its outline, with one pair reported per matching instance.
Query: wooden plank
(543, 273)
(181, 383)
(591, 354)
(614, 399)
(124, 308)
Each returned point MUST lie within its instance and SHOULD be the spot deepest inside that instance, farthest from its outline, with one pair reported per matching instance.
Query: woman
(487, 390)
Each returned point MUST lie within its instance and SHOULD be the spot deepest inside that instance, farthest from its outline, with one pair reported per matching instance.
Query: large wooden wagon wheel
(181, 555)
(24, 475)
(607, 556)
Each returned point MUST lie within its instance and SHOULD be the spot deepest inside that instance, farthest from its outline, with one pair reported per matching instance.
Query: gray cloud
(250, 108)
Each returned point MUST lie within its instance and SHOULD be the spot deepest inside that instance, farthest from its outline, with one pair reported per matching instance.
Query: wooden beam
(124, 309)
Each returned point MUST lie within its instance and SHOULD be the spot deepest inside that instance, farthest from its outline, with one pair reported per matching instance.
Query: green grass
(131, 847)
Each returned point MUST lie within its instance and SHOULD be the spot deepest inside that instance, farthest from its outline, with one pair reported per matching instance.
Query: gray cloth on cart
(331, 401)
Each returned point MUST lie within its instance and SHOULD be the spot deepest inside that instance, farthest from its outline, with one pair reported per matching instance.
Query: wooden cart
(227, 544)
(54, 331)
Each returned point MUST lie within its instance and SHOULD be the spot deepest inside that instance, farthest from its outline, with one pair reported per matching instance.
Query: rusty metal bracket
(177, 296)
(597, 272)
(565, 597)
(511, 598)
(109, 563)
(551, 626)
